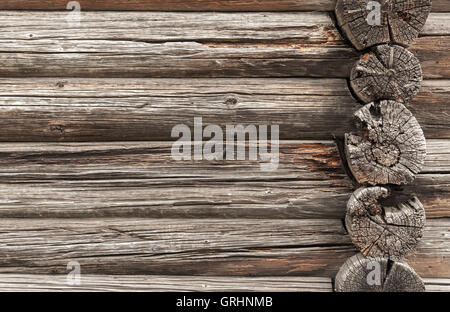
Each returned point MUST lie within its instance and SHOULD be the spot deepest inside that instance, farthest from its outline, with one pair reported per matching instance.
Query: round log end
(386, 73)
(361, 274)
(367, 23)
(384, 231)
(391, 147)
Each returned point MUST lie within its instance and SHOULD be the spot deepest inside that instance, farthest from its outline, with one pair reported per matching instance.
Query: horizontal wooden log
(159, 283)
(162, 44)
(71, 109)
(192, 5)
(437, 284)
(207, 247)
(142, 180)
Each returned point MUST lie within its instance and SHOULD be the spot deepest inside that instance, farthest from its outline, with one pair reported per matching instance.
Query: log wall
(86, 173)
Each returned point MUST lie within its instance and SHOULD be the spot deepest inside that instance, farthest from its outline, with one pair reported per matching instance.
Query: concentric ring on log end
(391, 147)
(361, 274)
(384, 231)
(400, 21)
(386, 73)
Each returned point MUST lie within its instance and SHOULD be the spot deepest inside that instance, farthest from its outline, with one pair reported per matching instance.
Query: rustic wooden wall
(86, 171)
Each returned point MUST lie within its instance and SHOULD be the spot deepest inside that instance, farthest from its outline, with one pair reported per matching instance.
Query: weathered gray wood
(161, 44)
(360, 274)
(192, 5)
(437, 284)
(214, 247)
(386, 231)
(159, 283)
(71, 109)
(177, 5)
(129, 179)
(387, 73)
(391, 147)
(399, 22)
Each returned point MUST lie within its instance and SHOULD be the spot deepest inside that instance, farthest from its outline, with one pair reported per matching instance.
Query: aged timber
(74, 109)
(394, 276)
(386, 73)
(390, 147)
(140, 179)
(399, 21)
(208, 247)
(378, 230)
(43, 44)
(192, 5)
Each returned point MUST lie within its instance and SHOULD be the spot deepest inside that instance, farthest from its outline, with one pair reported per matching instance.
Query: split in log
(398, 21)
(360, 274)
(384, 231)
(304, 44)
(387, 73)
(391, 148)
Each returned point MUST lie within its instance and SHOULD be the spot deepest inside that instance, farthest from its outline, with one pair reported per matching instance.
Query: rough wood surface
(387, 231)
(64, 202)
(437, 284)
(71, 109)
(129, 179)
(167, 283)
(354, 276)
(192, 5)
(391, 147)
(399, 22)
(158, 283)
(208, 247)
(387, 73)
(161, 44)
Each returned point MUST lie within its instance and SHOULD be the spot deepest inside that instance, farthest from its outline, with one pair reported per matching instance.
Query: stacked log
(388, 146)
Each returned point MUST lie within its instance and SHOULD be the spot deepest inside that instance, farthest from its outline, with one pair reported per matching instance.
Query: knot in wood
(393, 21)
(391, 147)
(386, 73)
(384, 231)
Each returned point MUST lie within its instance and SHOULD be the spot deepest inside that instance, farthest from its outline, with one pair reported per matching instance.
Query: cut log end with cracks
(367, 23)
(361, 274)
(384, 231)
(386, 73)
(390, 148)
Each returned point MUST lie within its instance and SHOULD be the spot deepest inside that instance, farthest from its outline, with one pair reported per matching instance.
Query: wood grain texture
(159, 283)
(162, 44)
(128, 208)
(399, 22)
(437, 285)
(386, 231)
(132, 179)
(208, 247)
(386, 73)
(192, 5)
(389, 148)
(358, 271)
(72, 109)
